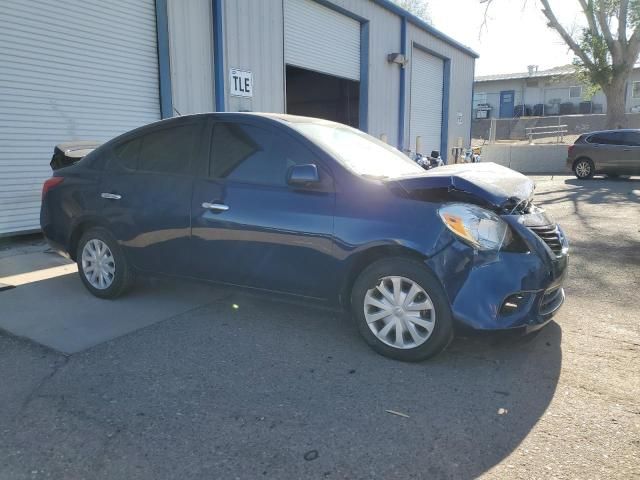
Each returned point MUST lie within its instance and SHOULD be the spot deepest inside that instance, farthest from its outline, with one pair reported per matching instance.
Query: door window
(249, 154)
(169, 150)
(607, 138)
(632, 139)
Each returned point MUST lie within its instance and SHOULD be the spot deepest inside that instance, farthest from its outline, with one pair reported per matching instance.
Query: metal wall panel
(425, 105)
(321, 39)
(191, 55)
(69, 70)
(460, 88)
(253, 33)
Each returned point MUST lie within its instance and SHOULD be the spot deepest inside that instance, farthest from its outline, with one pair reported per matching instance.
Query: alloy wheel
(583, 169)
(98, 264)
(399, 312)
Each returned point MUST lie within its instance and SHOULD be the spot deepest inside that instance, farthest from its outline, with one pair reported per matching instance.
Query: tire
(433, 327)
(118, 276)
(583, 168)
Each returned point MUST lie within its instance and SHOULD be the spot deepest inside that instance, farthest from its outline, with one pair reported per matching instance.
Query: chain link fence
(540, 130)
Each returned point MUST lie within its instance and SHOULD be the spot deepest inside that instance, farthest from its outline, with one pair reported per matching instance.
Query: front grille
(551, 236)
(551, 301)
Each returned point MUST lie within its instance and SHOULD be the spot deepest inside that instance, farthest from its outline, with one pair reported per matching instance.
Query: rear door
(146, 195)
(631, 159)
(261, 232)
(607, 151)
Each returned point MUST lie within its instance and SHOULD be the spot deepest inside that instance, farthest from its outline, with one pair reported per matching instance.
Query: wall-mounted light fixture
(398, 58)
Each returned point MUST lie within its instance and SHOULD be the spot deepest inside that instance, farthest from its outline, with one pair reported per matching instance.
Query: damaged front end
(505, 259)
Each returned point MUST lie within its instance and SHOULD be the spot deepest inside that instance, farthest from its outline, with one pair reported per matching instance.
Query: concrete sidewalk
(50, 305)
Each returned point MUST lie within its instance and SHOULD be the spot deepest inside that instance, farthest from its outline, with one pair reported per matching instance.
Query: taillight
(49, 184)
(571, 147)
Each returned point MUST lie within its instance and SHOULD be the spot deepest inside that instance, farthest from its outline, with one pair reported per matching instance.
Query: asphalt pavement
(231, 385)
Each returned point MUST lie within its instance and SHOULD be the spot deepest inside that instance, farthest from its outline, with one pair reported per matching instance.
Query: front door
(507, 101)
(146, 196)
(249, 227)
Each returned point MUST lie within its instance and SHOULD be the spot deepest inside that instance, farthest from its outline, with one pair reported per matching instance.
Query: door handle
(111, 196)
(220, 207)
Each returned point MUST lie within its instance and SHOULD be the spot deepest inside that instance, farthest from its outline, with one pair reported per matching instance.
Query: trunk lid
(494, 184)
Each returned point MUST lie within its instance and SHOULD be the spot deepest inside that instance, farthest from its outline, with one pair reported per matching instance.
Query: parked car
(609, 152)
(313, 209)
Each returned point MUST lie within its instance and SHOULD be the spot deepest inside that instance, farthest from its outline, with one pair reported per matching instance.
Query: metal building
(90, 70)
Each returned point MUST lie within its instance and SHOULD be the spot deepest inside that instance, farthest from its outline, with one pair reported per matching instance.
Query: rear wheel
(583, 168)
(401, 310)
(102, 265)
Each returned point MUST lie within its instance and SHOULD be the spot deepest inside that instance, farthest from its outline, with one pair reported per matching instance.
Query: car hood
(497, 185)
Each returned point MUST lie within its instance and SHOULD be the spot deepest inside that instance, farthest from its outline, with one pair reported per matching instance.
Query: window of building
(636, 89)
(575, 92)
(250, 154)
(478, 99)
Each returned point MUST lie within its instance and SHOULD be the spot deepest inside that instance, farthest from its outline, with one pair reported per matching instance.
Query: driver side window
(249, 154)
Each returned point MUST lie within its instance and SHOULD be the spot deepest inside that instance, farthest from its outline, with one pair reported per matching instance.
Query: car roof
(279, 117)
(635, 130)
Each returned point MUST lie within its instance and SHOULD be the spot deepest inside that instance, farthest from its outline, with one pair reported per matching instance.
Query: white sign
(241, 83)
(459, 118)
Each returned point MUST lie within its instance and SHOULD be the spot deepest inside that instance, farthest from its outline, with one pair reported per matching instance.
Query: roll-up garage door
(318, 38)
(427, 84)
(69, 70)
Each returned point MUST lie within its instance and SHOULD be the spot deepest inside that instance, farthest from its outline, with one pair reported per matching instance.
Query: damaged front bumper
(504, 290)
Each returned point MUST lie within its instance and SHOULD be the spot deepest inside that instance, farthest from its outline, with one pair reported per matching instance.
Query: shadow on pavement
(248, 387)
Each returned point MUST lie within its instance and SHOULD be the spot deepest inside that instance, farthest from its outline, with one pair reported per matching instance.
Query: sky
(515, 36)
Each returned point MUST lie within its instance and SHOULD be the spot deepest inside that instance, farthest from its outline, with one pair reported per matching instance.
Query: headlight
(477, 226)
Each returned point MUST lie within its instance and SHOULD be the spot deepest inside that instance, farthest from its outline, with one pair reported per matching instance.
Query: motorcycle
(432, 161)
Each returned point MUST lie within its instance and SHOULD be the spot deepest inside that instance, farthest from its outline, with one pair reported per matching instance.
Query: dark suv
(611, 152)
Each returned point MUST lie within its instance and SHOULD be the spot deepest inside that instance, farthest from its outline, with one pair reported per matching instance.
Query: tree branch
(555, 24)
(622, 22)
(587, 8)
(603, 19)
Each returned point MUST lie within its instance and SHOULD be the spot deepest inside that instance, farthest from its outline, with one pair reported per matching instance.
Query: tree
(606, 48)
(418, 7)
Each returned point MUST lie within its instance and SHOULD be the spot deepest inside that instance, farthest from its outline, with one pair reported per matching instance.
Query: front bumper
(504, 290)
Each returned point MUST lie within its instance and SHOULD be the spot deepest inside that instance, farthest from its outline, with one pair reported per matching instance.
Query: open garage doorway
(314, 94)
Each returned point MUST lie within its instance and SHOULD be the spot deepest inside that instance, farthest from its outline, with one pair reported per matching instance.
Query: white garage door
(427, 84)
(320, 39)
(69, 70)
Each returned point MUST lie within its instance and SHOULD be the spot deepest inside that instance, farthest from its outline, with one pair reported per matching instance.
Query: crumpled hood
(500, 186)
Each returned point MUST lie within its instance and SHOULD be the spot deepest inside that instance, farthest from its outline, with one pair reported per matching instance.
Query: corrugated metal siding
(384, 78)
(321, 39)
(191, 55)
(68, 70)
(254, 41)
(427, 81)
(460, 90)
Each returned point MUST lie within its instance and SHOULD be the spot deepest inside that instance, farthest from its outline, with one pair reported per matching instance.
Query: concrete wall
(528, 158)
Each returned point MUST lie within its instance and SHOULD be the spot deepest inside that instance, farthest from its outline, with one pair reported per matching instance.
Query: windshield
(359, 152)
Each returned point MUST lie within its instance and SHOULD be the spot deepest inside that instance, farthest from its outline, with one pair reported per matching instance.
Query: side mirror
(300, 175)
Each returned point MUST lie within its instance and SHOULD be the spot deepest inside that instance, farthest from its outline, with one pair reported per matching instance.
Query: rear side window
(126, 154)
(607, 138)
(250, 154)
(169, 150)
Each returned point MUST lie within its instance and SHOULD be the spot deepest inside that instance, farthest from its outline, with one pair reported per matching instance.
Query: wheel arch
(365, 258)
(582, 157)
(78, 230)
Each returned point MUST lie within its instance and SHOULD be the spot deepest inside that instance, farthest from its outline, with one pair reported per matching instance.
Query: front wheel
(583, 169)
(402, 310)
(102, 265)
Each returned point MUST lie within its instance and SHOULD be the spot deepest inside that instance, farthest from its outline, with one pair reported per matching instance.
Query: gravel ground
(277, 390)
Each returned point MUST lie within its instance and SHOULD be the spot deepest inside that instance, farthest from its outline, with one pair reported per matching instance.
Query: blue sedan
(317, 210)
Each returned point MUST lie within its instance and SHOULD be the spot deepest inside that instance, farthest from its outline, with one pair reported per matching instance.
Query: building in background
(80, 70)
(543, 92)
